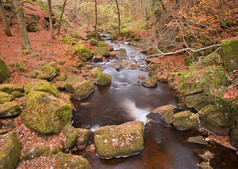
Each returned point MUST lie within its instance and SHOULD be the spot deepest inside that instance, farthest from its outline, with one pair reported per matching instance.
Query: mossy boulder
(45, 113)
(71, 81)
(83, 53)
(4, 72)
(196, 101)
(71, 135)
(101, 44)
(151, 82)
(11, 152)
(166, 113)
(14, 90)
(38, 74)
(93, 42)
(42, 86)
(104, 79)
(37, 151)
(95, 71)
(102, 51)
(9, 109)
(4, 97)
(185, 120)
(83, 138)
(191, 88)
(50, 71)
(66, 161)
(17, 94)
(215, 119)
(83, 89)
(119, 140)
(230, 54)
(63, 77)
(98, 58)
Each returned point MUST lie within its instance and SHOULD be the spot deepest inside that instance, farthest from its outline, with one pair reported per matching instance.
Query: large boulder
(9, 109)
(104, 79)
(46, 113)
(9, 88)
(37, 151)
(4, 72)
(71, 81)
(230, 54)
(151, 82)
(4, 97)
(119, 140)
(95, 71)
(50, 71)
(185, 120)
(11, 152)
(83, 53)
(42, 86)
(214, 119)
(102, 51)
(65, 161)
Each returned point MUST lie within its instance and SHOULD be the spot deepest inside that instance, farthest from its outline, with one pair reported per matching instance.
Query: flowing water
(125, 100)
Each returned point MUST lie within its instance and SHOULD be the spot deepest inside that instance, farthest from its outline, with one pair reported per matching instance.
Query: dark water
(125, 100)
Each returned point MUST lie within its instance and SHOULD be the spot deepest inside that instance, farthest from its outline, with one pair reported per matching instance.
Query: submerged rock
(119, 140)
(9, 109)
(11, 152)
(65, 161)
(4, 72)
(185, 120)
(151, 82)
(46, 113)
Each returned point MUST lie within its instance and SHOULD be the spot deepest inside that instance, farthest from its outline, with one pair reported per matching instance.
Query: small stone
(205, 155)
(198, 140)
(204, 165)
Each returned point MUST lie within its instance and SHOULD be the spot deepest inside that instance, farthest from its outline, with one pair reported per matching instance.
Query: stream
(125, 100)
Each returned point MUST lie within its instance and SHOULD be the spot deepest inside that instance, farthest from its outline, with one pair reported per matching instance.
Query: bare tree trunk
(119, 18)
(5, 21)
(96, 19)
(61, 16)
(50, 18)
(22, 25)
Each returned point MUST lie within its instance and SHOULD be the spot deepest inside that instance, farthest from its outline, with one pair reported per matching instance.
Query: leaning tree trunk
(22, 25)
(96, 20)
(61, 17)
(5, 21)
(50, 18)
(119, 18)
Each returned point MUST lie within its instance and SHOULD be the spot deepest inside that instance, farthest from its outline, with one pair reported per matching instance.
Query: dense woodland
(49, 50)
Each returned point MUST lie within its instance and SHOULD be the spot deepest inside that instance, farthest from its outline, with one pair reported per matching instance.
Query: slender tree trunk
(22, 25)
(119, 18)
(96, 19)
(50, 18)
(5, 21)
(61, 17)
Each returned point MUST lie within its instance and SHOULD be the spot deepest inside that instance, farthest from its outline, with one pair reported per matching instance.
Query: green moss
(4, 97)
(185, 120)
(65, 161)
(71, 81)
(38, 74)
(17, 94)
(103, 51)
(38, 151)
(21, 66)
(83, 52)
(101, 44)
(69, 40)
(84, 136)
(122, 140)
(63, 77)
(49, 71)
(42, 86)
(11, 152)
(71, 135)
(104, 79)
(4, 72)
(93, 42)
(9, 109)
(46, 113)
(95, 71)
(82, 90)
(151, 82)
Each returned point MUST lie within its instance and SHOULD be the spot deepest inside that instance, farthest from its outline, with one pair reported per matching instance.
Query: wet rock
(151, 82)
(198, 140)
(45, 113)
(166, 113)
(11, 152)
(230, 54)
(193, 101)
(4, 97)
(102, 51)
(191, 88)
(119, 140)
(42, 86)
(9, 109)
(83, 138)
(71, 135)
(205, 155)
(65, 161)
(204, 165)
(103, 79)
(185, 120)
(141, 77)
(95, 71)
(214, 119)
(83, 89)
(234, 135)
(4, 72)
(37, 151)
